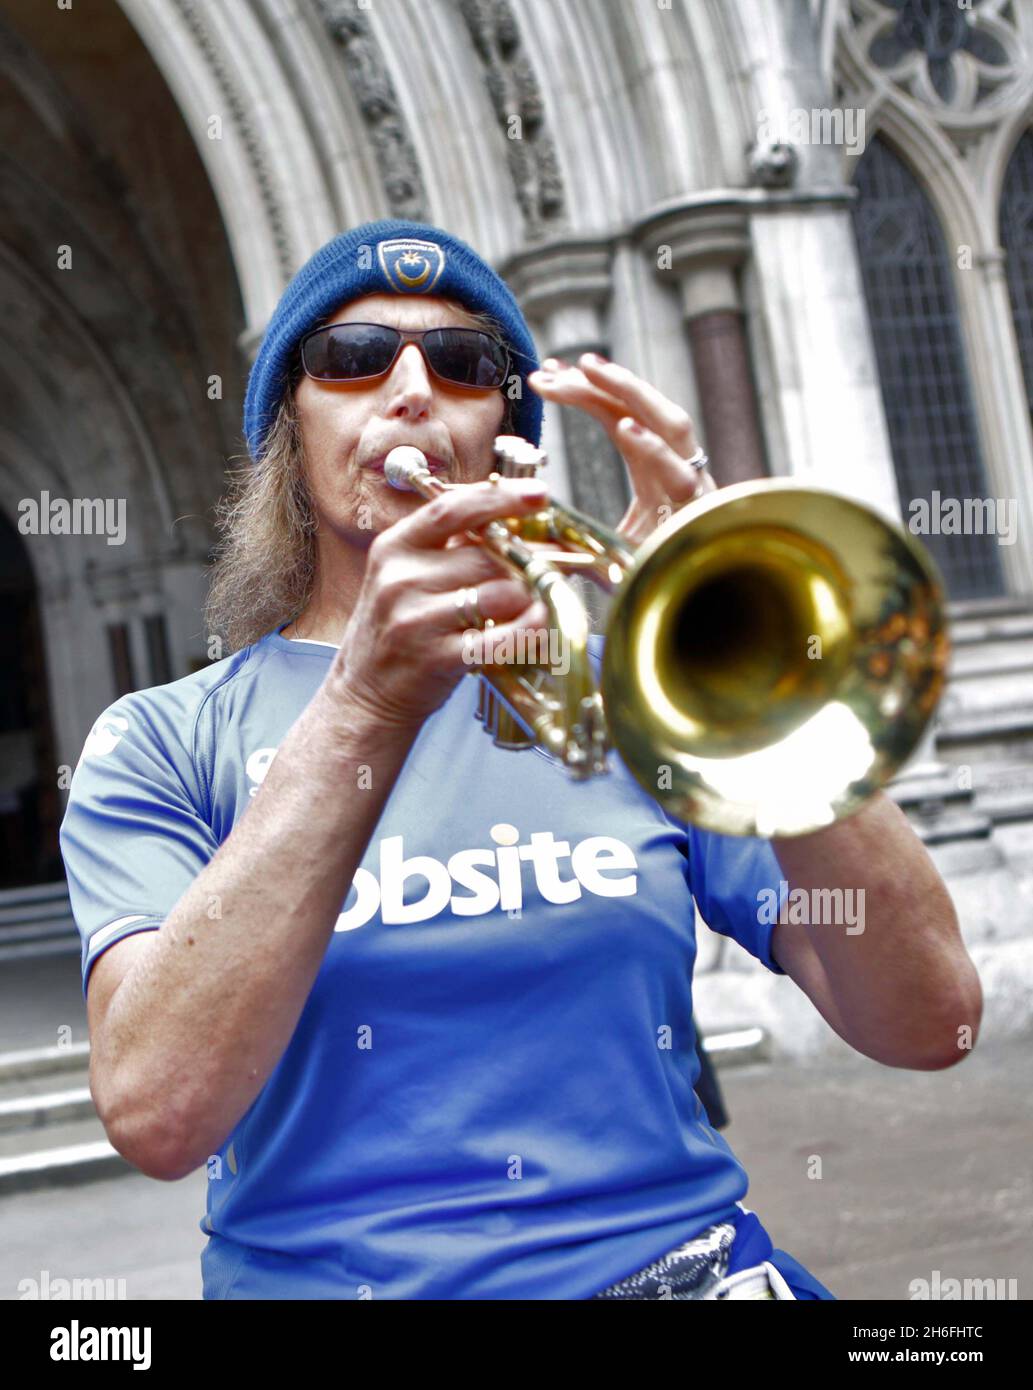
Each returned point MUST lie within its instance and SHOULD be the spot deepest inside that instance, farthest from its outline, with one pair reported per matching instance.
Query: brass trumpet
(772, 655)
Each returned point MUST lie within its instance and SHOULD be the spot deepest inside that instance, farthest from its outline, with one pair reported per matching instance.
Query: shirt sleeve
(134, 833)
(739, 888)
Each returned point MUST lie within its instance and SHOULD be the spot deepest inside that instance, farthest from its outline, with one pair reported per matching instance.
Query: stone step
(991, 659)
(919, 787)
(50, 1133)
(943, 804)
(51, 927)
(37, 902)
(34, 893)
(45, 1109)
(36, 947)
(969, 824)
(738, 1049)
(981, 726)
(16, 1142)
(1003, 791)
(986, 713)
(75, 1151)
(1007, 620)
(55, 915)
(34, 1088)
(1005, 690)
(1003, 807)
(37, 921)
(44, 1062)
(990, 776)
(988, 607)
(44, 1089)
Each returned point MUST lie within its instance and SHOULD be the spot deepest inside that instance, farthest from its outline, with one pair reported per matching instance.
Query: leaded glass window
(922, 366)
(1017, 240)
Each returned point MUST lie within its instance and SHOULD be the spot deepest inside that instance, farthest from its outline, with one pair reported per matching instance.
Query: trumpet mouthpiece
(402, 465)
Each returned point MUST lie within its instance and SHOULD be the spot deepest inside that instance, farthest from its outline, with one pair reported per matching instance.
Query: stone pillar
(726, 390)
(563, 288)
(700, 249)
(995, 369)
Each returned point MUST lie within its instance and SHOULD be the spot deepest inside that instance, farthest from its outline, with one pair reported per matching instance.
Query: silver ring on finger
(699, 460)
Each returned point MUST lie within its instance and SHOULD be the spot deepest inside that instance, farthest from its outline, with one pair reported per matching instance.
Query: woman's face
(348, 426)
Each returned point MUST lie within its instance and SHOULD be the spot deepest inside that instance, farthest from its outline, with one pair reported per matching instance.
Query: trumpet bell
(772, 658)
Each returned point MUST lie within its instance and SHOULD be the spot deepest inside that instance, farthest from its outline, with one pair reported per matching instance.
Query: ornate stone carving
(374, 91)
(773, 164)
(192, 17)
(952, 59)
(514, 91)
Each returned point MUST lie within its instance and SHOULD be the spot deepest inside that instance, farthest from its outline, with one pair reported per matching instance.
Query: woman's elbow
(150, 1142)
(956, 1035)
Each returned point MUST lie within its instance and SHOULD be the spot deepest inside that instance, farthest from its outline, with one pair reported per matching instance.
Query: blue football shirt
(489, 1092)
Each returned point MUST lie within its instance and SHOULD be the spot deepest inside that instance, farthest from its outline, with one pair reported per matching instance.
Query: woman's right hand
(402, 651)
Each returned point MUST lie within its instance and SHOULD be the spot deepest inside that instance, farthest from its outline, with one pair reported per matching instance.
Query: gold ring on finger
(469, 609)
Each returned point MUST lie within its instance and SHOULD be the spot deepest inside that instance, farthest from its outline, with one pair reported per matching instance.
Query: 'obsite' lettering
(491, 878)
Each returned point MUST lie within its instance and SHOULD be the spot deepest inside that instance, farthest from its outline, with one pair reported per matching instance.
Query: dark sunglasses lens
(346, 351)
(467, 357)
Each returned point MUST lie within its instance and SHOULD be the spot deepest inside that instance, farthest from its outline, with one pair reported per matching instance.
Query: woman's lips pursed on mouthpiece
(434, 464)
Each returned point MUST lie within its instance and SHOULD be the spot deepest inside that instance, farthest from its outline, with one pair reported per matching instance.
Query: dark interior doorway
(29, 800)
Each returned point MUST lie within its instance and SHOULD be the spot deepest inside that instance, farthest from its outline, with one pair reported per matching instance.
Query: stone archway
(120, 369)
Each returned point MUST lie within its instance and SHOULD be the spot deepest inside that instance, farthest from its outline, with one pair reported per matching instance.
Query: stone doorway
(29, 801)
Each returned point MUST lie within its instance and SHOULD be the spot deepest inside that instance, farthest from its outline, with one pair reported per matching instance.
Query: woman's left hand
(653, 435)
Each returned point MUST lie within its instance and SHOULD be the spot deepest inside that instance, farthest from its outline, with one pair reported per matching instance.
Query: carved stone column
(562, 288)
(701, 249)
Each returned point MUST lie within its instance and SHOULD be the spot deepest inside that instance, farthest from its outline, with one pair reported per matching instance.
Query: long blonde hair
(264, 569)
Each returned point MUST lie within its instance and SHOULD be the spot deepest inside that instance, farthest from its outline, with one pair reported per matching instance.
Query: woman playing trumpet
(423, 1007)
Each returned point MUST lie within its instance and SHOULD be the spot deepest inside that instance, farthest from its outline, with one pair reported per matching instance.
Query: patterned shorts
(699, 1269)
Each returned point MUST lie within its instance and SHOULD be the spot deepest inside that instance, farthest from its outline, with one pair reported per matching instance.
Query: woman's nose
(410, 380)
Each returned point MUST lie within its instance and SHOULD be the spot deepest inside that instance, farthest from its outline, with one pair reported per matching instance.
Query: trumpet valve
(515, 457)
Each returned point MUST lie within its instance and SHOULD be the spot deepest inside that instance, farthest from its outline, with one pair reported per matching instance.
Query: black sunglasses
(357, 351)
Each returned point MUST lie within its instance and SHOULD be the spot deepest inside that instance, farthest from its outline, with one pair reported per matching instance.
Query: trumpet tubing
(772, 654)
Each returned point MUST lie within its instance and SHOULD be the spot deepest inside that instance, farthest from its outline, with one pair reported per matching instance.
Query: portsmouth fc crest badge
(410, 266)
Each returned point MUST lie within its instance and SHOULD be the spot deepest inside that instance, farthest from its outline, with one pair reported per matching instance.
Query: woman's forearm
(901, 979)
(197, 1025)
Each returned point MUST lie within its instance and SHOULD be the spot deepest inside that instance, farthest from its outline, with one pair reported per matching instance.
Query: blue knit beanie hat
(391, 255)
